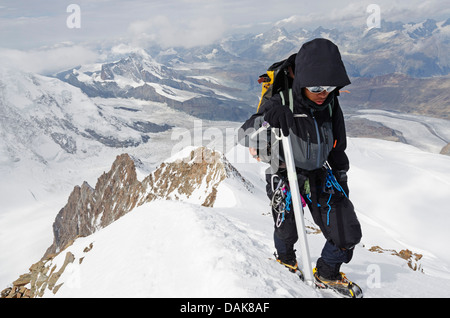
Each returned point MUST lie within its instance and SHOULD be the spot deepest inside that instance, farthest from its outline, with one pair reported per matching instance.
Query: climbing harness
(281, 199)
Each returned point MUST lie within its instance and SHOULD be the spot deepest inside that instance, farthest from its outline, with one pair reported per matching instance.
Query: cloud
(168, 33)
(188, 23)
(349, 13)
(47, 60)
(414, 11)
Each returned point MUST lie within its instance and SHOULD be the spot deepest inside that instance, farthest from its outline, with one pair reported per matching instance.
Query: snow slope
(174, 249)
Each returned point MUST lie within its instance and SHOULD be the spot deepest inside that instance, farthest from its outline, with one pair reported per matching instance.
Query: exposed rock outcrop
(194, 178)
(89, 209)
(412, 258)
(446, 150)
(43, 275)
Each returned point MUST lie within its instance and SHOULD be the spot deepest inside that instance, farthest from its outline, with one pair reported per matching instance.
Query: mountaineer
(314, 120)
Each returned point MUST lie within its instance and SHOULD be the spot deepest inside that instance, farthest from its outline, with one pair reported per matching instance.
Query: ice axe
(296, 201)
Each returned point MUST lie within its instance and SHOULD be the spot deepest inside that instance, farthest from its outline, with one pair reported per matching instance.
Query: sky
(74, 30)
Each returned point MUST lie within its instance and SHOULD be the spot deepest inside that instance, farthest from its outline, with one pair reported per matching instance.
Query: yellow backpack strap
(265, 86)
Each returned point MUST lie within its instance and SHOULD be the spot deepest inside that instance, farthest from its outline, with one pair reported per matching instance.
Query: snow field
(175, 249)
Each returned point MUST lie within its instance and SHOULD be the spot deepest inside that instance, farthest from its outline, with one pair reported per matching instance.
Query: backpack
(276, 79)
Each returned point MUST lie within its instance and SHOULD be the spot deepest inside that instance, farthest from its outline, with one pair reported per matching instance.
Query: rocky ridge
(194, 178)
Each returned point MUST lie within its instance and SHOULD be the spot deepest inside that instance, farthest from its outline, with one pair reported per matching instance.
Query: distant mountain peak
(140, 76)
(421, 30)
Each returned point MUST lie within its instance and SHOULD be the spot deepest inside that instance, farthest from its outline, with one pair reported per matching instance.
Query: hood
(319, 63)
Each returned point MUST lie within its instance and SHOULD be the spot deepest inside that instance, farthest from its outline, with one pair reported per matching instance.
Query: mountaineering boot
(287, 259)
(339, 284)
(290, 263)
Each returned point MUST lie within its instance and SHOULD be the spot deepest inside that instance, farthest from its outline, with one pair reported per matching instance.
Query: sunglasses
(320, 89)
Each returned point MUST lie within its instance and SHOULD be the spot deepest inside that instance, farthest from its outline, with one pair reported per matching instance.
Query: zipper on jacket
(308, 146)
(319, 143)
(325, 135)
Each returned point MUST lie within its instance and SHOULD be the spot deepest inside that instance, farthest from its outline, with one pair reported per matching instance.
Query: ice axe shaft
(296, 201)
(298, 208)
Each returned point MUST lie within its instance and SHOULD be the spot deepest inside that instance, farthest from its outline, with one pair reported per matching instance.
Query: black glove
(341, 178)
(280, 117)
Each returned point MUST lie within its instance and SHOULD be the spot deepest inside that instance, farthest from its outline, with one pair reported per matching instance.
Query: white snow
(210, 79)
(426, 133)
(176, 249)
(173, 93)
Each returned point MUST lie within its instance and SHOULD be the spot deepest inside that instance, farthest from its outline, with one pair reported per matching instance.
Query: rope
(330, 183)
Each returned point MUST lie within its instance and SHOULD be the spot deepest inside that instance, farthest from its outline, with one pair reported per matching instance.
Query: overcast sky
(33, 30)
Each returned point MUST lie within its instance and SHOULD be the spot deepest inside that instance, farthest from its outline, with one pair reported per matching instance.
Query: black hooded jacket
(318, 133)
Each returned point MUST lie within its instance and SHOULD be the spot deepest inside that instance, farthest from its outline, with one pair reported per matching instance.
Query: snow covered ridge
(176, 248)
(192, 176)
